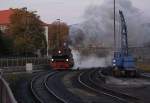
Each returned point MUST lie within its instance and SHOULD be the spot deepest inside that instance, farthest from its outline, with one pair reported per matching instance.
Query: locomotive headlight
(67, 60)
(52, 60)
(114, 61)
(59, 51)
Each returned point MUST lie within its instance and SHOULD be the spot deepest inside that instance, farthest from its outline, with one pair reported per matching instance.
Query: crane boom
(123, 62)
(124, 36)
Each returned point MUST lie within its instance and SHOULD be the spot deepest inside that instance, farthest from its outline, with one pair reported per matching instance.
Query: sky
(70, 11)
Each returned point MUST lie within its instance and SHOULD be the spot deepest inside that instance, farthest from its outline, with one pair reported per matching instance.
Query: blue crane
(123, 62)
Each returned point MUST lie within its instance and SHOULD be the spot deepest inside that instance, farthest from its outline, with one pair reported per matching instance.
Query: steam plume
(97, 27)
(98, 24)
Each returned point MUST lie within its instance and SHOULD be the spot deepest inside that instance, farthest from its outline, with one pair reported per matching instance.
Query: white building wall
(46, 35)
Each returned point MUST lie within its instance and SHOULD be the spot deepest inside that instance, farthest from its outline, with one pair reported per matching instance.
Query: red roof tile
(5, 16)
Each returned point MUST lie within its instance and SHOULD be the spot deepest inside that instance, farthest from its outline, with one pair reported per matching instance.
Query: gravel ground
(138, 87)
(71, 83)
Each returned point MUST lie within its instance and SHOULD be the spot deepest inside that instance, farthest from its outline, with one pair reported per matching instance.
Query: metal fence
(6, 95)
(19, 64)
(12, 65)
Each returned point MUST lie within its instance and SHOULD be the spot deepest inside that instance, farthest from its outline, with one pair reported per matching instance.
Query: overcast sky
(70, 11)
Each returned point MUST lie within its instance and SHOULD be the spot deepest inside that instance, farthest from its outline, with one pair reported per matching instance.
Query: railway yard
(102, 56)
(80, 86)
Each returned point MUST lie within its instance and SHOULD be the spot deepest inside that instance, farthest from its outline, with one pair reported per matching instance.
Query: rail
(86, 79)
(6, 95)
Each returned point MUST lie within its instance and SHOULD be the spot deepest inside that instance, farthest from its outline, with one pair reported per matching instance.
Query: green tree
(27, 31)
(5, 45)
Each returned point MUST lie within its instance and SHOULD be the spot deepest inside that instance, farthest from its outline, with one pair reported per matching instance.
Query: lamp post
(58, 33)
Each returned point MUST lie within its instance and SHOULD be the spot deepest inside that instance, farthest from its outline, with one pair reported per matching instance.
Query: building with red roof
(5, 22)
(5, 16)
(5, 19)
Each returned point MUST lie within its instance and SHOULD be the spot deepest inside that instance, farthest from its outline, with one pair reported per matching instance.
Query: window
(3, 28)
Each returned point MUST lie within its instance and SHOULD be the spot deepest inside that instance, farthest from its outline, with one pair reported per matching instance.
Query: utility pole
(114, 25)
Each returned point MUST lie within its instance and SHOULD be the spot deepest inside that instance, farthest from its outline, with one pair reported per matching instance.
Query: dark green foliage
(5, 45)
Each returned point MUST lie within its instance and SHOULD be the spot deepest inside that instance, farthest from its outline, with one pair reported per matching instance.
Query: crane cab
(123, 65)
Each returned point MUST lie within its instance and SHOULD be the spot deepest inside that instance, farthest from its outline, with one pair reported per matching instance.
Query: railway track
(39, 90)
(55, 86)
(88, 80)
(48, 88)
(87, 94)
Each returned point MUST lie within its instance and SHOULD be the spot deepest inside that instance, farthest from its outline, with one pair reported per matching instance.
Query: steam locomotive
(61, 59)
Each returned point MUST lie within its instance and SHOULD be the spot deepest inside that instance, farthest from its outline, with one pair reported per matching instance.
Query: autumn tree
(58, 34)
(27, 31)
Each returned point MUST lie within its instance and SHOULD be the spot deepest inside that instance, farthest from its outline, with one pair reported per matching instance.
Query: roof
(5, 16)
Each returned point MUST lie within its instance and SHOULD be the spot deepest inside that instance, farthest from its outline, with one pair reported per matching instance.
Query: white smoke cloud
(89, 61)
(98, 27)
(98, 24)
